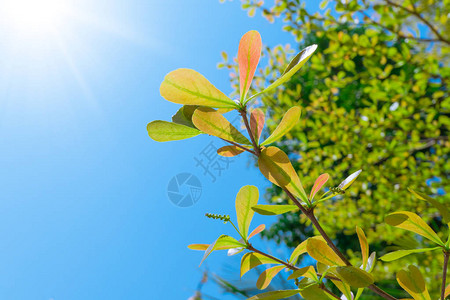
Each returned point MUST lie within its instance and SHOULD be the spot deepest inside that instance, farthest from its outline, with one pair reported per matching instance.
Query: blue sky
(83, 202)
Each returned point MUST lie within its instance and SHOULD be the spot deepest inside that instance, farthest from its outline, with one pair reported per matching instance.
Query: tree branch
(444, 274)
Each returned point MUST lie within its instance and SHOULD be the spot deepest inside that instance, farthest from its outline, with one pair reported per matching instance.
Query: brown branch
(420, 17)
(239, 146)
(243, 113)
(328, 292)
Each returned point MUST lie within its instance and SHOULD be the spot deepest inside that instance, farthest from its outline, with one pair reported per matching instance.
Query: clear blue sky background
(84, 212)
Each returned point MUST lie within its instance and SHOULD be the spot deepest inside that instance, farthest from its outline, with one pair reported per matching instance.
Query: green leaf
(364, 246)
(275, 295)
(314, 293)
(443, 210)
(270, 210)
(402, 253)
(246, 198)
(163, 131)
(290, 119)
(320, 251)
(249, 53)
(211, 122)
(411, 280)
(320, 181)
(252, 260)
(257, 121)
(275, 165)
(308, 272)
(412, 222)
(184, 115)
(299, 60)
(301, 249)
(186, 86)
(229, 151)
(349, 180)
(201, 247)
(222, 243)
(354, 276)
(266, 277)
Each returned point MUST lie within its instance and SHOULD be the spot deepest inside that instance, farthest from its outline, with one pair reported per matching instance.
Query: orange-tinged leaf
(211, 122)
(246, 198)
(257, 230)
(447, 291)
(301, 249)
(364, 246)
(201, 247)
(275, 165)
(257, 120)
(320, 181)
(290, 119)
(411, 280)
(320, 251)
(186, 86)
(248, 57)
(266, 277)
(308, 272)
(229, 151)
(252, 260)
(412, 222)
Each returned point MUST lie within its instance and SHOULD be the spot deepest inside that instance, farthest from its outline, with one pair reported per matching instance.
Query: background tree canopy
(374, 97)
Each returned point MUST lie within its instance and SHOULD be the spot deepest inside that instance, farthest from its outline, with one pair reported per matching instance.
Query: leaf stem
(444, 273)
(239, 146)
(243, 113)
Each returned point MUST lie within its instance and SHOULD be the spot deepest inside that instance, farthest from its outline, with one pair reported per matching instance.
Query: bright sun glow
(35, 16)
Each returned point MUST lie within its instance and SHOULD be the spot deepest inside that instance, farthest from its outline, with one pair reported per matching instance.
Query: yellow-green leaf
(246, 198)
(184, 115)
(229, 151)
(349, 180)
(266, 277)
(252, 260)
(186, 86)
(223, 242)
(354, 276)
(411, 280)
(211, 122)
(402, 253)
(320, 251)
(308, 272)
(275, 165)
(257, 120)
(290, 119)
(275, 295)
(364, 246)
(249, 53)
(301, 249)
(447, 291)
(163, 131)
(443, 210)
(295, 65)
(412, 222)
(314, 293)
(344, 288)
(270, 210)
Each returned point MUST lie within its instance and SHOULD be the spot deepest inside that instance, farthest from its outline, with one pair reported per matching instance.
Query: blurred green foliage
(374, 97)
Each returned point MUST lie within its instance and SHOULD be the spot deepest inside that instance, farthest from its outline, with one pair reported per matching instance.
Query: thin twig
(247, 125)
(328, 292)
(444, 273)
